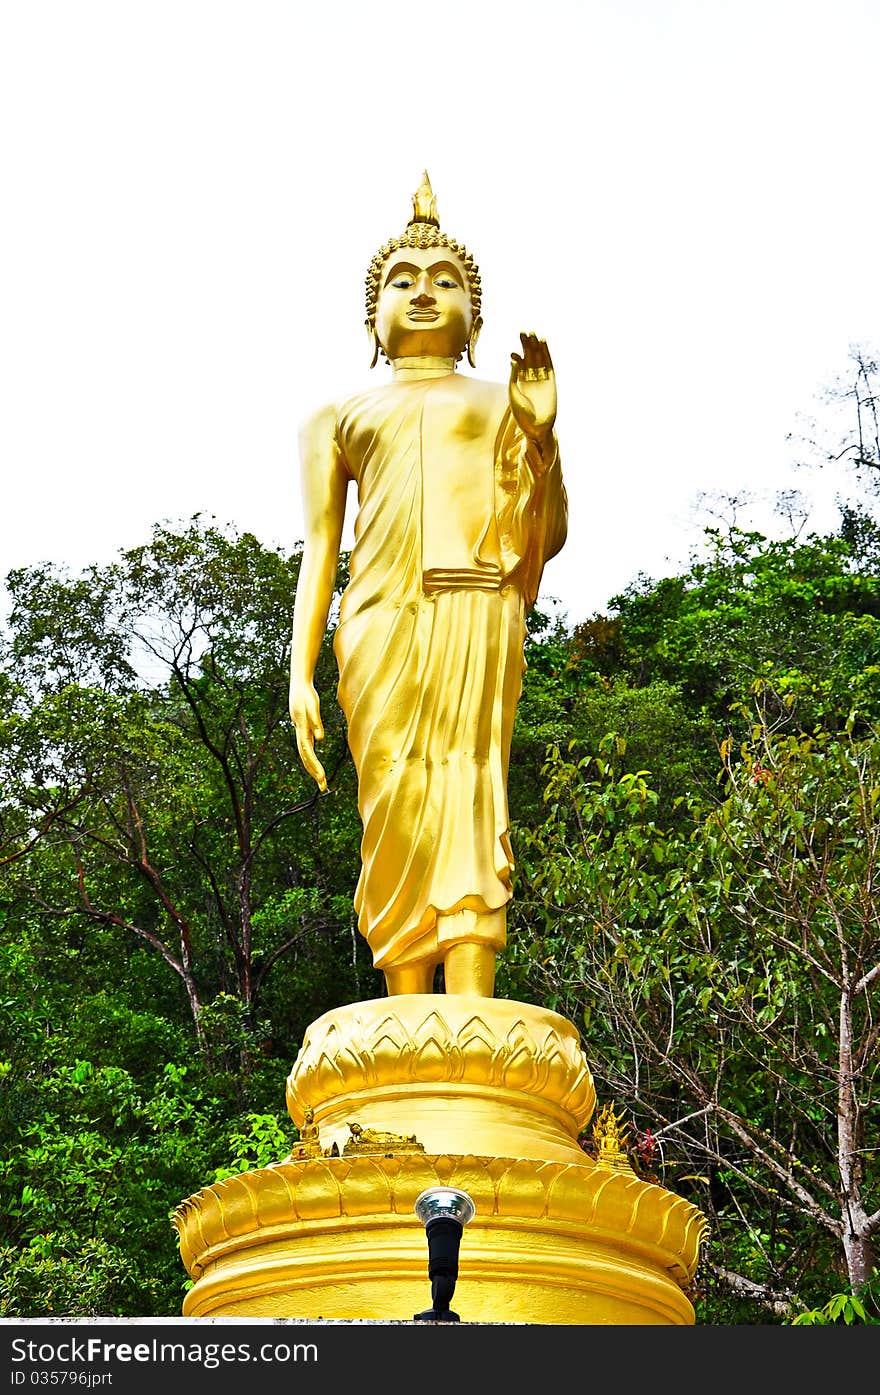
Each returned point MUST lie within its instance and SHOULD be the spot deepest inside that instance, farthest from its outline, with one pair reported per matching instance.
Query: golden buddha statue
(460, 504)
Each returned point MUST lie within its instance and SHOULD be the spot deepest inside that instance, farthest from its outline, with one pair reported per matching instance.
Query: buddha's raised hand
(533, 388)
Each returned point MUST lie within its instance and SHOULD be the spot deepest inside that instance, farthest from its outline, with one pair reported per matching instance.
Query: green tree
(158, 748)
(725, 975)
(807, 611)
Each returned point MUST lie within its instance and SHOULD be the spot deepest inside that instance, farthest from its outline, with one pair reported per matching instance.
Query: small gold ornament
(380, 1141)
(424, 204)
(308, 1145)
(611, 1136)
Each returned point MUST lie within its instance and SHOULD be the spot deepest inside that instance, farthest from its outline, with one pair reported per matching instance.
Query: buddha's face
(424, 304)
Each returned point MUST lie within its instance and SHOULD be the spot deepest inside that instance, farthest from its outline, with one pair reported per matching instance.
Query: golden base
(338, 1238)
(496, 1094)
(464, 1074)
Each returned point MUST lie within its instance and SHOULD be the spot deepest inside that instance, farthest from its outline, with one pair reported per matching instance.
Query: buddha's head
(423, 291)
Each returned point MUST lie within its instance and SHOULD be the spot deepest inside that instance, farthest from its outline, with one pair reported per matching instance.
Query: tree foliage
(725, 974)
(157, 753)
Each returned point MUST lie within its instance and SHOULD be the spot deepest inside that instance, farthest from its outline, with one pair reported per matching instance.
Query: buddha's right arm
(324, 482)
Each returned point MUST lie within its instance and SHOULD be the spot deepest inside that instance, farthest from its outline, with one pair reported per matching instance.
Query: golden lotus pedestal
(403, 1093)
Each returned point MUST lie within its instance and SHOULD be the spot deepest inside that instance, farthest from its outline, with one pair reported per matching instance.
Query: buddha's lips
(423, 314)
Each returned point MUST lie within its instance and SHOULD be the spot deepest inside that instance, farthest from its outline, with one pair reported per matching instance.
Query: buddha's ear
(472, 340)
(374, 342)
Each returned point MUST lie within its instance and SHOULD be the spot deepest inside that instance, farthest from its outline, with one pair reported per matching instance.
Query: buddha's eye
(446, 282)
(402, 283)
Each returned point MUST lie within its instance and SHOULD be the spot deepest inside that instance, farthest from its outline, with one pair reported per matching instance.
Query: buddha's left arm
(549, 502)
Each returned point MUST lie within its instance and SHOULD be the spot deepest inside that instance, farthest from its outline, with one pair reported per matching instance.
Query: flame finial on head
(424, 204)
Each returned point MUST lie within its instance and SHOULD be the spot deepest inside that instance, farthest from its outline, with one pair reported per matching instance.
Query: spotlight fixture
(444, 1212)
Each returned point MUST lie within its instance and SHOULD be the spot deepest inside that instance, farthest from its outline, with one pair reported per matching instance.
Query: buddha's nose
(423, 289)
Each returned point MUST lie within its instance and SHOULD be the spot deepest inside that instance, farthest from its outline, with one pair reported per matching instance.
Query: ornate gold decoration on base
(309, 1143)
(379, 1141)
(611, 1136)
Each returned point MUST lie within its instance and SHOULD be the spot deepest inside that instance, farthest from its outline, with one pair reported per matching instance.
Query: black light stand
(444, 1212)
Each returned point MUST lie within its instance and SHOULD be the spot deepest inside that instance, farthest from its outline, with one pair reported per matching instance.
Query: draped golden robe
(452, 532)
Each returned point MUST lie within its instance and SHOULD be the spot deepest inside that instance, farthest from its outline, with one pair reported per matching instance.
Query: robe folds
(456, 518)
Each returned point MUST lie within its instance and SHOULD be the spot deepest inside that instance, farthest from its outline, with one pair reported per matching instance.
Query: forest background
(694, 783)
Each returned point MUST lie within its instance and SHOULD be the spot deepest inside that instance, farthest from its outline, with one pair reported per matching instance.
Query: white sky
(681, 197)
